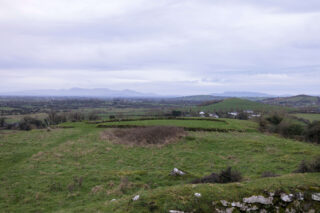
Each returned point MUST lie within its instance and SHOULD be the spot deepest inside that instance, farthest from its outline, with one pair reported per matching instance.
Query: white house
(248, 111)
(202, 114)
(233, 113)
(213, 115)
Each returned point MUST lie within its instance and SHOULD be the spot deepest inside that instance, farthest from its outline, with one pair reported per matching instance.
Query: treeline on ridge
(284, 125)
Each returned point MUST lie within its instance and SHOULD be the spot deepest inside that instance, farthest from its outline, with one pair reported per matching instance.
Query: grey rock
(224, 202)
(263, 211)
(242, 206)
(236, 204)
(300, 196)
(220, 211)
(197, 194)
(258, 199)
(286, 198)
(315, 196)
(229, 210)
(290, 210)
(137, 197)
(175, 211)
(177, 172)
(253, 208)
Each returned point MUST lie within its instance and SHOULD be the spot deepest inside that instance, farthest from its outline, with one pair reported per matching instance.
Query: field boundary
(162, 118)
(191, 129)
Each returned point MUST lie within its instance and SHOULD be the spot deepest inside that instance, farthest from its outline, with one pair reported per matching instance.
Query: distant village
(246, 114)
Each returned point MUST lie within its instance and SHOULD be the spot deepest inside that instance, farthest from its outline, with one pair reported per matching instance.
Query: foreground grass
(182, 197)
(39, 169)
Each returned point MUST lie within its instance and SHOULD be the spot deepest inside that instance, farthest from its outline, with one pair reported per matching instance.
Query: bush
(309, 166)
(76, 116)
(313, 132)
(290, 130)
(278, 123)
(242, 116)
(29, 123)
(2, 121)
(225, 176)
(275, 119)
(93, 116)
(268, 174)
(176, 113)
(56, 118)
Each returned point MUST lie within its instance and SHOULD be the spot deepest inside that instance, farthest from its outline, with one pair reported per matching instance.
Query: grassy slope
(308, 116)
(294, 101)
(37, 167)
(228, 124)
(238, 104)
(182, 197)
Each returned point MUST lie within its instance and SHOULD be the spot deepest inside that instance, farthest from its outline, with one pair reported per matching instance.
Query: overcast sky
(161, 46)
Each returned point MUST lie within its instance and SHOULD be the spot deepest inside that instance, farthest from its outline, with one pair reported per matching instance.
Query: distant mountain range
(242, 94)
(80, 92)
(109, 93)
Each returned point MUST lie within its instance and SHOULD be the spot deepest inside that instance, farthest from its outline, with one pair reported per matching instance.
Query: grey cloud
(206, 41)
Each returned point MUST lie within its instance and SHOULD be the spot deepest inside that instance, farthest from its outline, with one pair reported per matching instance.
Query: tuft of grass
(309, 166)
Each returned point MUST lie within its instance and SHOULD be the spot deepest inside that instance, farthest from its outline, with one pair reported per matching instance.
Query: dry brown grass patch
(143, 136)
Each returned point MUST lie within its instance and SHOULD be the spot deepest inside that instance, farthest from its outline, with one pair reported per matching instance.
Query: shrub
(290, 129)
(2, 121)
(93, 116)
(275, 119)
(313, 132)
(225, 176)
(268, 174)
(76, 116)
(242, 116)
(29, 123)
(56, 118)
(309, 166)
(176, 113)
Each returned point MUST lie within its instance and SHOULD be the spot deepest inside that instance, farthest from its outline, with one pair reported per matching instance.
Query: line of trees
(284, 125)
(53, 118)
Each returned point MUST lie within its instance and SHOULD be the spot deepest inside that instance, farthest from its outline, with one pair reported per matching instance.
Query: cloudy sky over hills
(164, 46)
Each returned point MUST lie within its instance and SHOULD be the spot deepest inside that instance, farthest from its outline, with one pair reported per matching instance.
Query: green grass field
(39, 169)
(308, 116)
(236, 104)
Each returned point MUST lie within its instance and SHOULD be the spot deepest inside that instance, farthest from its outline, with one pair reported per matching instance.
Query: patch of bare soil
(143, 136)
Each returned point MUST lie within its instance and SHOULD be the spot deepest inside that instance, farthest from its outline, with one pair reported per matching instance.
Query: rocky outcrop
(272, 202)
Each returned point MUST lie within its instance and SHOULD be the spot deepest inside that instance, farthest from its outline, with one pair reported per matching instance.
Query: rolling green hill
(237, 104)
(294, 101)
